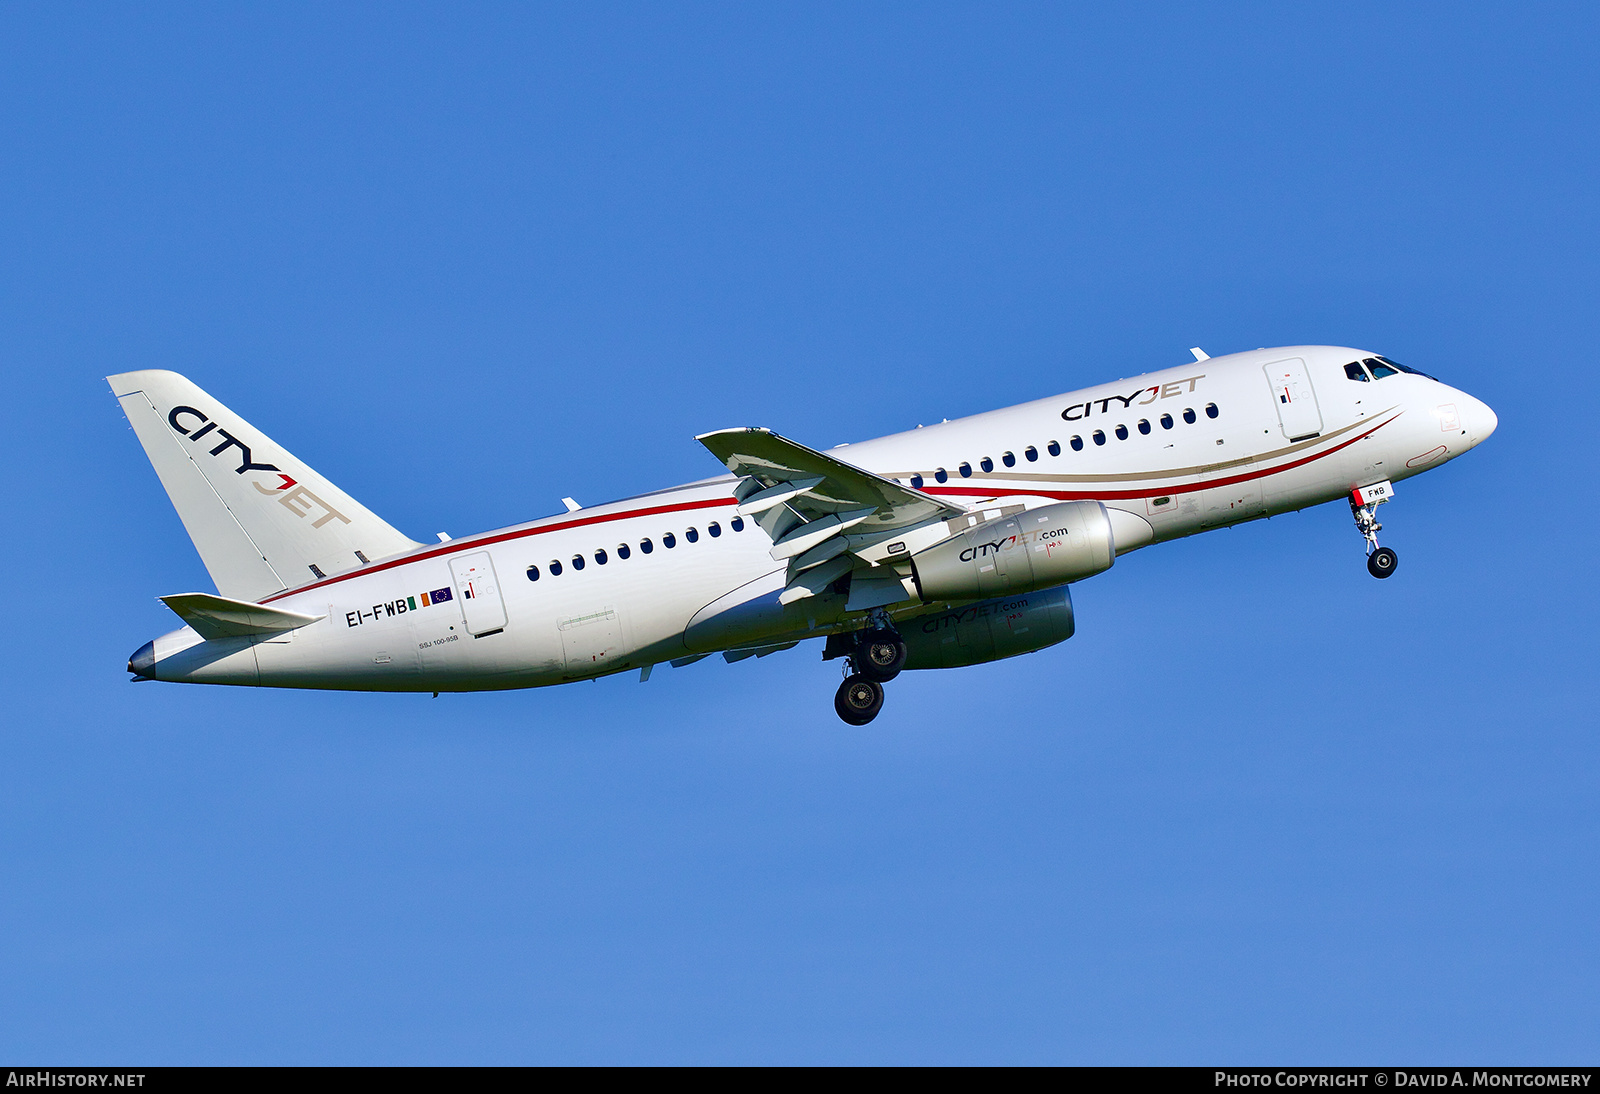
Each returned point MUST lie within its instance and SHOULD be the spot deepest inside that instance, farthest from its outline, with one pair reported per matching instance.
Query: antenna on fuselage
(1199, 354)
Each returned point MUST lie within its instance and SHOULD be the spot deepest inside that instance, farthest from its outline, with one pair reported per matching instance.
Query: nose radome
(1481, 421)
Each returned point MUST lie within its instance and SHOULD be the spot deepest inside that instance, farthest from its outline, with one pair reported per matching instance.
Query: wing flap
(814, 533)
(821, 512)
(770, 459)
(815, 582)
(762, 500)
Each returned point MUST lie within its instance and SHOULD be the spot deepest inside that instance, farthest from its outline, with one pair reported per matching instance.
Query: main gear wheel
(880, 656)
(859, 699)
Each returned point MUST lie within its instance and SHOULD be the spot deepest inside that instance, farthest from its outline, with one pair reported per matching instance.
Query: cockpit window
(1403, 368)
(1356, 372)
(1382, 367)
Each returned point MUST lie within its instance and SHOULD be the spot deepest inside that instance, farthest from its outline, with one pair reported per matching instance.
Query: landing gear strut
(878, 655)
(1364, 502)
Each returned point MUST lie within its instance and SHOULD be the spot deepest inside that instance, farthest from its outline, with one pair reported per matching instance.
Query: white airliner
(943, 546)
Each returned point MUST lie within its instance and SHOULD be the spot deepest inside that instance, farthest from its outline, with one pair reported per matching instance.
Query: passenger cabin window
(941, 475)
(1354, 371)
(715, 529)
(1009, 460)
(1188, 414)
(533, 573)
(577, 562)
(1054, 448)
(692, 535)
(737, 524)
(965, 469)
(669, 540)
(1031, 453)
(1122, 432)
(555, 568)
(1211, 410)
(1166, 421)
(987, 464)
(600, 556)
(1144, 425)
(1099, 436)
(623, 550)
(916, 481)
(1076, 443)
(646, 546)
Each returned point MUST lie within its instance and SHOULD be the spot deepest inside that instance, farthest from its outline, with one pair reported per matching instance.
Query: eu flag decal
(439, 596)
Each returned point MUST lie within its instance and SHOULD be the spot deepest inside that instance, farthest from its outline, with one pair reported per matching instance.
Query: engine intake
(1036, 549)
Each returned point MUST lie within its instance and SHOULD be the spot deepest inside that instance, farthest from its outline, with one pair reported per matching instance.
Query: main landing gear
(1364, 502)
(859, 699)
(878, 657)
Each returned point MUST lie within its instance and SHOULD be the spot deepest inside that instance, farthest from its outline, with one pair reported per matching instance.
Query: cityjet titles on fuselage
(1079, 411)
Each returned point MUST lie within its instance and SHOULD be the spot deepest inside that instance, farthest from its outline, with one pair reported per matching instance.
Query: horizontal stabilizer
(219, 617)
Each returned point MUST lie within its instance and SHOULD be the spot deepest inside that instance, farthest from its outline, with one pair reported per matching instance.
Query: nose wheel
(1364, 502)
(1381, 563)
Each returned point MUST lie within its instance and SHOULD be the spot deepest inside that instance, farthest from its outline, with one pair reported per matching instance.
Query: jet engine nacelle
(988, 630)
(1036, 549)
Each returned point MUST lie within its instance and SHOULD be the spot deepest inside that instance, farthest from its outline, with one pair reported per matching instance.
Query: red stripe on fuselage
(455, 546)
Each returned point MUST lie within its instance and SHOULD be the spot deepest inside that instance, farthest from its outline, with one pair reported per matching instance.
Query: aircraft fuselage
(677, 573)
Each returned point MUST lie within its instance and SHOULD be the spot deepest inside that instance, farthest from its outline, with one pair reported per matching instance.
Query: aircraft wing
(821, 512)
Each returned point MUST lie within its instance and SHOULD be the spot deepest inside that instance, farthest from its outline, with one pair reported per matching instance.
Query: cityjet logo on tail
(1079, 411)
(290, 494)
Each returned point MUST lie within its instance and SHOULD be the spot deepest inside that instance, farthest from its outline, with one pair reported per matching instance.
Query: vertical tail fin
(261, 520)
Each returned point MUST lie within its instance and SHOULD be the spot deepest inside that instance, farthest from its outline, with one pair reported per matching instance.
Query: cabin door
(1295, 399)
(479, 593)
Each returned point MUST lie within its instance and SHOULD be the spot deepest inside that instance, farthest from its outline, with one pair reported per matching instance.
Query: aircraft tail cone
(143, 660)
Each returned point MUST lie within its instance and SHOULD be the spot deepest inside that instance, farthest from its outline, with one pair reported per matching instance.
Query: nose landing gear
(1364, 502)
(878, 656)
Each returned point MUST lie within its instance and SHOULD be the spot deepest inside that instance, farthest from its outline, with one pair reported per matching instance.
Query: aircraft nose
(1480, 419)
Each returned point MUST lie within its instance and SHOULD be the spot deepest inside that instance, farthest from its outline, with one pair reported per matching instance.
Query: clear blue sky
(466, 260)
